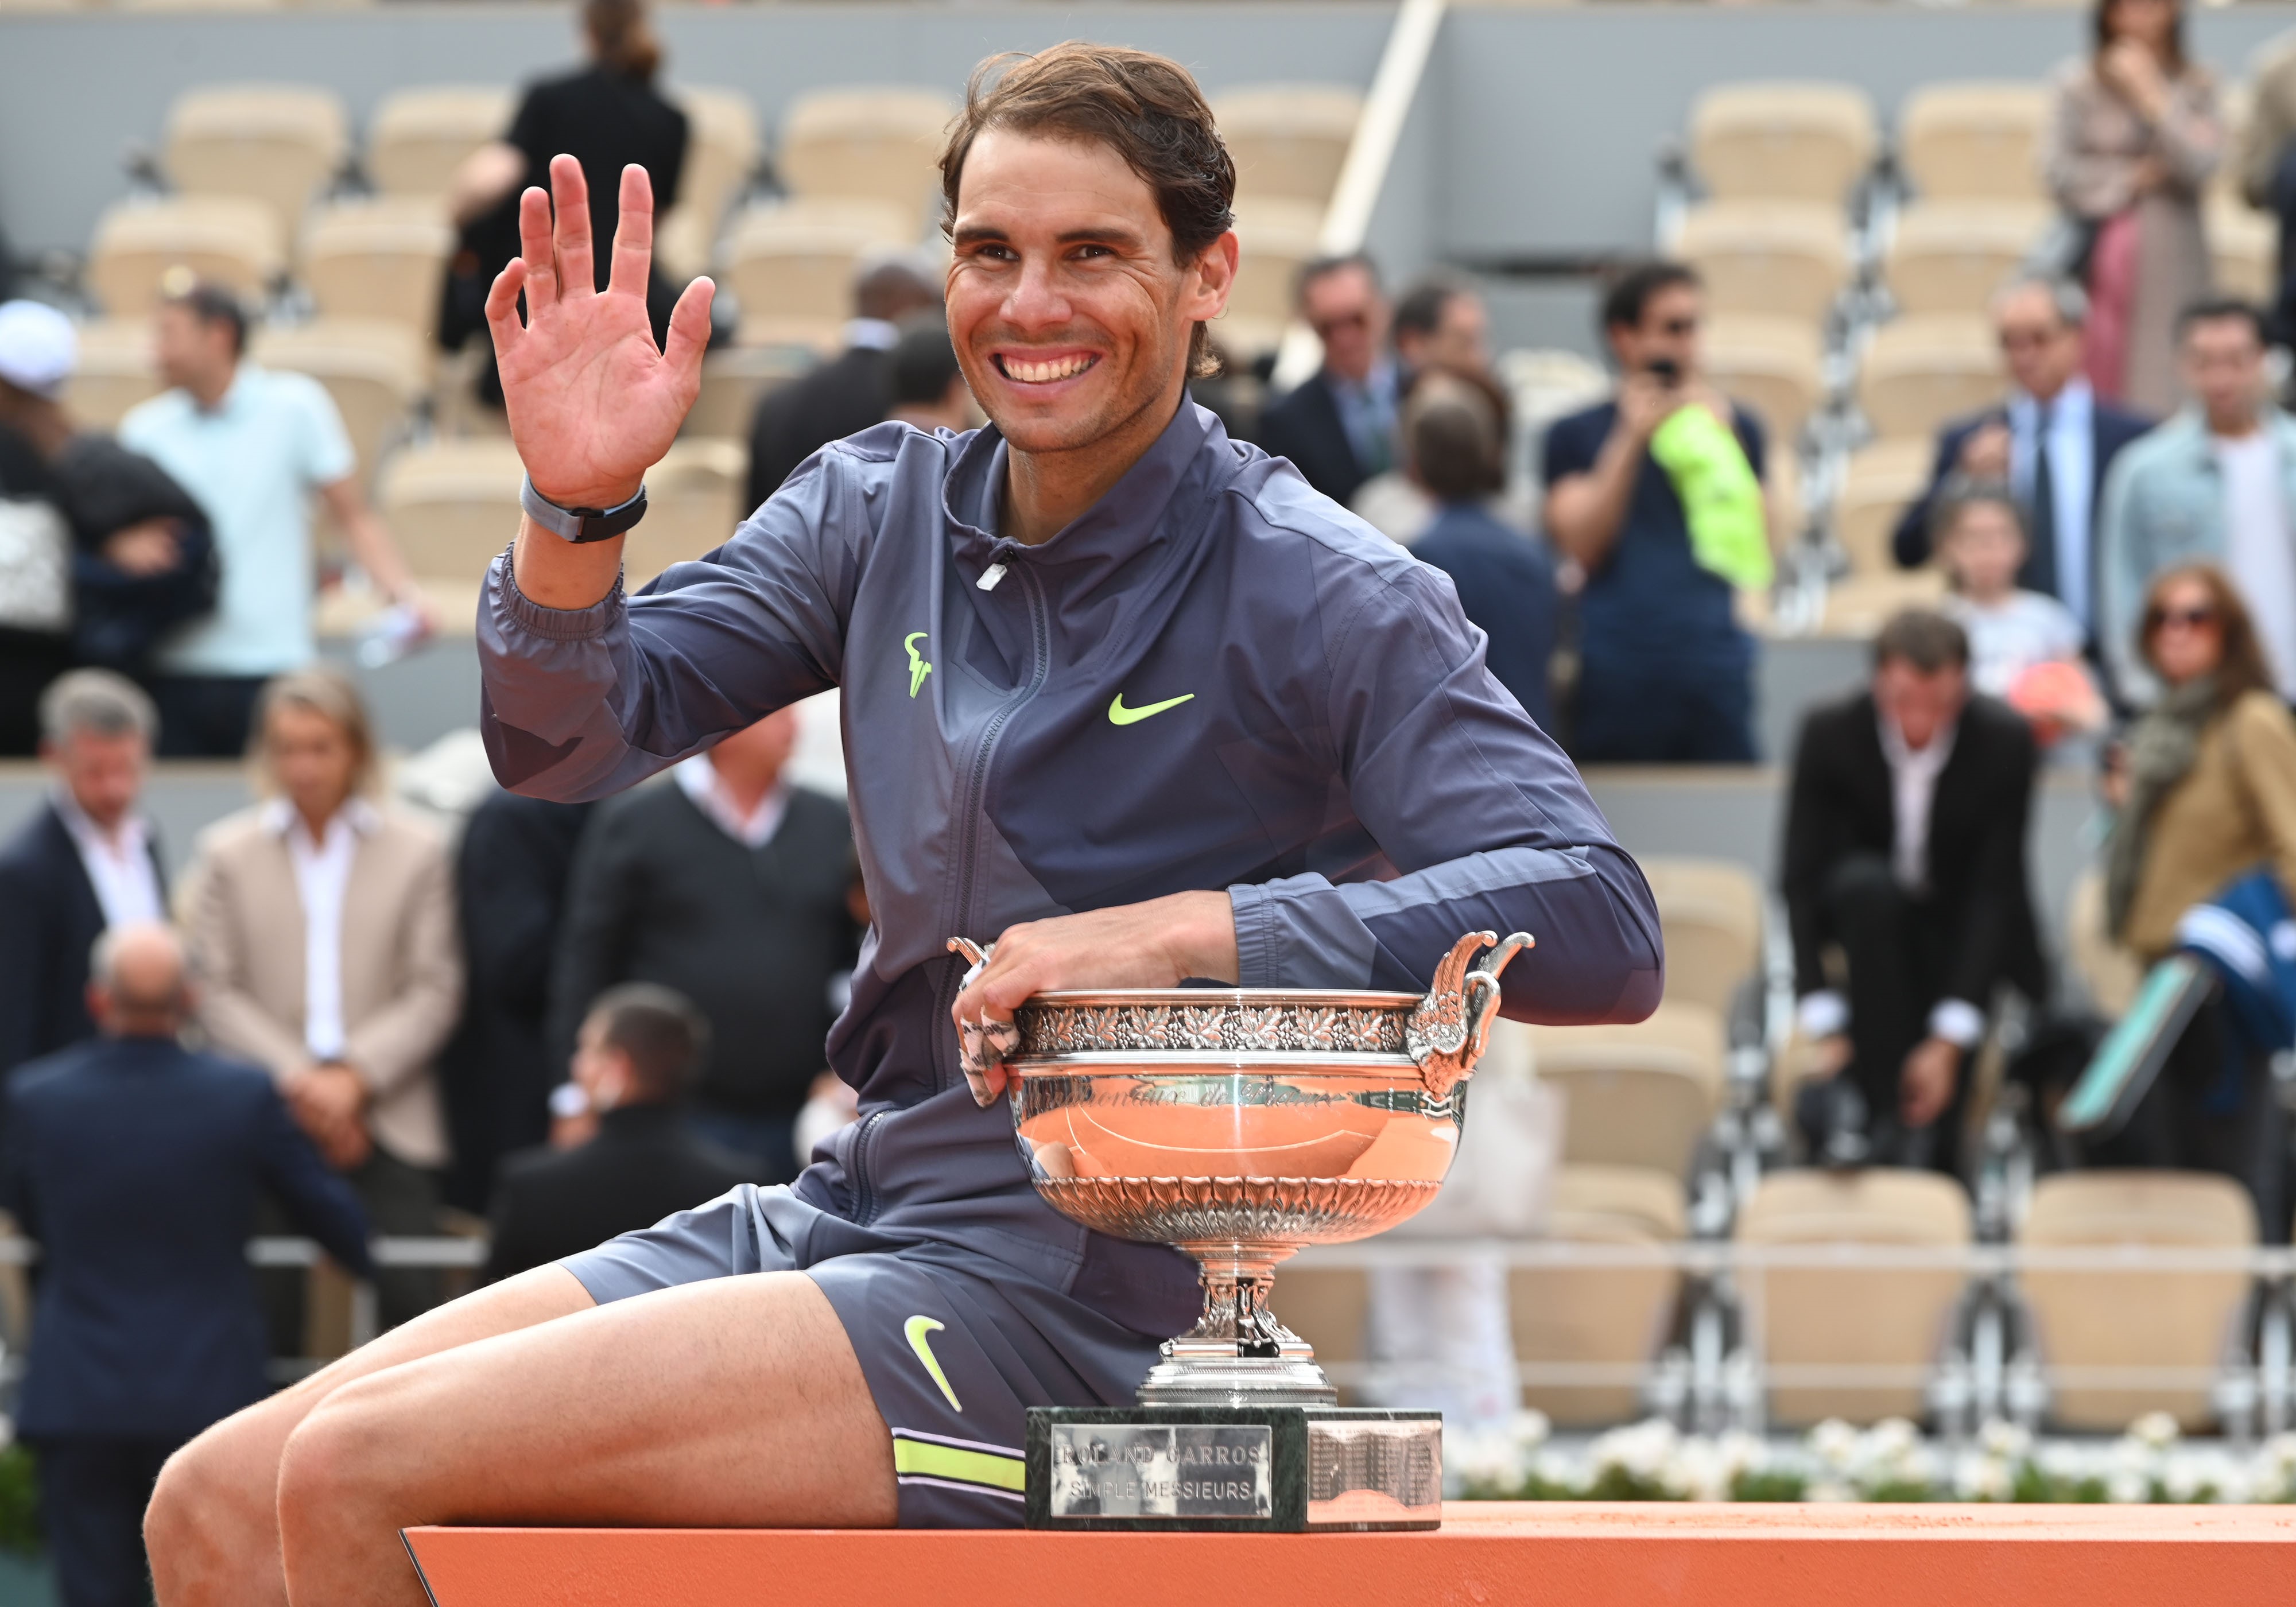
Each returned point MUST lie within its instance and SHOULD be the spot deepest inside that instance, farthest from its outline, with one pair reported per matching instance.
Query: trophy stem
(1237, 1354)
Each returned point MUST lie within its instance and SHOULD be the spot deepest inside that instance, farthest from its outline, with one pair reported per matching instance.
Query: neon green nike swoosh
(916, 1328)
(1119, 715)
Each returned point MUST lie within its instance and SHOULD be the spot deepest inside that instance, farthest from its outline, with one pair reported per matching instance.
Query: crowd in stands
(577, 1018)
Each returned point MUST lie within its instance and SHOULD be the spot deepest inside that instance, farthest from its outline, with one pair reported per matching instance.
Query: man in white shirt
(2051, 442)
(86, 863)
(251, 446)
(2215, 484)
(1905, 858)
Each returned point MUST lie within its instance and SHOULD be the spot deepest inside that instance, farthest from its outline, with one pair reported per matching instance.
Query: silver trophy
(1237, 1126)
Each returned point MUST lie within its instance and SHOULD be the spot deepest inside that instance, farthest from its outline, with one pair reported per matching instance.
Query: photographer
(1658, 495)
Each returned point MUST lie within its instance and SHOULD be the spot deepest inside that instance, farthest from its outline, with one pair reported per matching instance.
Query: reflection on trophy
(1237, 1126)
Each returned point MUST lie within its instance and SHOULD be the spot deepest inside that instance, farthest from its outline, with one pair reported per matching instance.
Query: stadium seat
(277, 143)
(1782, 141)
(375, 372)
(2134, 1318)
(878, 143)
(452, 505)
(1771, 364)
(720, 155)
(692, 504)
(2243, 251)
(1275, 237)
(1857, 606)
(1710, 914)
(1288, 141)
(1328, 1307)
(1786, 260)
(1610, 1316)
(229, 239)
(115, 371)
(418, 137)
(1975, 141)
(1950, 257)
(1849, 1315)
(1918, 373)
(1881, 479)
(791, 265)
(381, 259)
(1636, 1095)
(733, 378)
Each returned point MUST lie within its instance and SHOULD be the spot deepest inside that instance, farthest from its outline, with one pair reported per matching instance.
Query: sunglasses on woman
(2190, 619)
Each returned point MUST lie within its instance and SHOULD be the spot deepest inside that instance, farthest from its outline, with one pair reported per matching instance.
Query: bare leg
(213, 1528)
(733, 1402)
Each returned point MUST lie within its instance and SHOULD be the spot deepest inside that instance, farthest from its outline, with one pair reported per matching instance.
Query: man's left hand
(1926, 1084)
(1159, 944)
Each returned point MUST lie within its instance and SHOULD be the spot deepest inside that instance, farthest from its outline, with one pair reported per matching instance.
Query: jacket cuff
(1255, 935)
(1958, 1022)
(513, 607)
(1822, 1014)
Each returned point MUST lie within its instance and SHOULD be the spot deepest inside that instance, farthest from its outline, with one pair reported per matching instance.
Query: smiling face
(1071, 320)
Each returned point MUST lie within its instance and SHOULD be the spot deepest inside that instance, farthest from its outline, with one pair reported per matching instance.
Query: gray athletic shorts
(955, 1345)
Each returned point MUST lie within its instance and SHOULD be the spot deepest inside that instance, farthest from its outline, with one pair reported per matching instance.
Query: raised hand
(594, 403)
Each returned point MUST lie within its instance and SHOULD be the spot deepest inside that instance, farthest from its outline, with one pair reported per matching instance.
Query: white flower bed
(1653, 1461)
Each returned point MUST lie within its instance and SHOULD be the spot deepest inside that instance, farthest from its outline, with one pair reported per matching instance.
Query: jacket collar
(1103, 536)
(2188, 427)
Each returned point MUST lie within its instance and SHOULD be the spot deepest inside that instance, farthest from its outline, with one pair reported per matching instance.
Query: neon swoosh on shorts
(916, 1328)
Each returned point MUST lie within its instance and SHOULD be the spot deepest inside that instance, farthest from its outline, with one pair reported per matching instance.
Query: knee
(332, 1468)
(211, 1514)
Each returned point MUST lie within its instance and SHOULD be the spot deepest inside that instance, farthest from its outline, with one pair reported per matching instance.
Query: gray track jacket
(1215, 678)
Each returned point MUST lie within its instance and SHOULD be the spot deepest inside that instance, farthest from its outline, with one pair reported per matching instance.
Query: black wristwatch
(578, 525)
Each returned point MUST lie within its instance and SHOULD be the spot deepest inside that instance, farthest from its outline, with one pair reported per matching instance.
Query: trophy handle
(1450, 1028)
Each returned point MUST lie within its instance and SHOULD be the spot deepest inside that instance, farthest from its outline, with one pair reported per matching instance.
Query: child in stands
(2024, 647)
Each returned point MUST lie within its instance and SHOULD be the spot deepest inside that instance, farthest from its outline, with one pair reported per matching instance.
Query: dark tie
(2040, 573)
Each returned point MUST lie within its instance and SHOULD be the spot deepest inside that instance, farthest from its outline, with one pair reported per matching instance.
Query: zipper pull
(990, 576)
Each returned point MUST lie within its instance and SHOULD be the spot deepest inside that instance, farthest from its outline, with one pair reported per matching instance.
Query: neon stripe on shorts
(996, 1470)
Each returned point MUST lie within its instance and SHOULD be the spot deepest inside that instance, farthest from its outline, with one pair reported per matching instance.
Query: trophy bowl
(1239, 1124)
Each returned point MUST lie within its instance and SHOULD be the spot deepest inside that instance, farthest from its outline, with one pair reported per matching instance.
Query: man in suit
(136, 1165)
(1904, 851)
(850, 392)
(638, 1049)
(1339, 426)
(2051, 442)
(86, 861)
(728, 885)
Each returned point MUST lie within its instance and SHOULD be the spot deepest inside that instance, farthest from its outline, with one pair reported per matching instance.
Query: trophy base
(1260, 1468)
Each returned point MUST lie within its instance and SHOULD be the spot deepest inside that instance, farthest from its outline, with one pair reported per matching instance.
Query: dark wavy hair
(2100, 32)
(1146, 107)
(2243, 667)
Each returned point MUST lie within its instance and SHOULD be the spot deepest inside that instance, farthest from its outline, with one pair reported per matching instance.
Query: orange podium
(1656, 1555)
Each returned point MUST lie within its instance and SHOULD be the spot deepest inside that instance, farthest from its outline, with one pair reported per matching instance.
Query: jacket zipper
(865, 1191)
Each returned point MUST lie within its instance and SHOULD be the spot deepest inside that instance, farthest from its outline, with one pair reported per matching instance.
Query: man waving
(1124, 695)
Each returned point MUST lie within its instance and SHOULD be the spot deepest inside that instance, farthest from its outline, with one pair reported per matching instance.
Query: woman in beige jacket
(324, 928)
(2134, 138)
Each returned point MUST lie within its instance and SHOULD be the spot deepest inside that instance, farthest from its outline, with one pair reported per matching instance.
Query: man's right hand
(1644, 403)
(1985, 454)
(592, 402)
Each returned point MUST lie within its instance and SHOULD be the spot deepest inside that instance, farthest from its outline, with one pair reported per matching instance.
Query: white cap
(38, 346)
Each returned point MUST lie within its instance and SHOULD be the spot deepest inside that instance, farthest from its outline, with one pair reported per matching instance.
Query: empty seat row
(1813, 141)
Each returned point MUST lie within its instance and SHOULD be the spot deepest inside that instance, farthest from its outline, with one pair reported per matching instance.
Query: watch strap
(579, 525)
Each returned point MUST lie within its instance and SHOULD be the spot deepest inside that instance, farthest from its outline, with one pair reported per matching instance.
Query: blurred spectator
(1441, 323)
(1504, 582)
(728, 886)
(250, 446)
(511, 874)
(1401, 508)
(849, 393)
(634, 1058)
(2208, 795)
(37, 349)
(2267, 162)
(149, 1329)
(324, 928)
(2051, 443)
(1904, 849)
(88, 862)
(2024, 647)
(2215, 484)
(1665, 674)
(140, 557)
(929, 388)
(607, 117)
(1338, 427)
(2134, 136)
